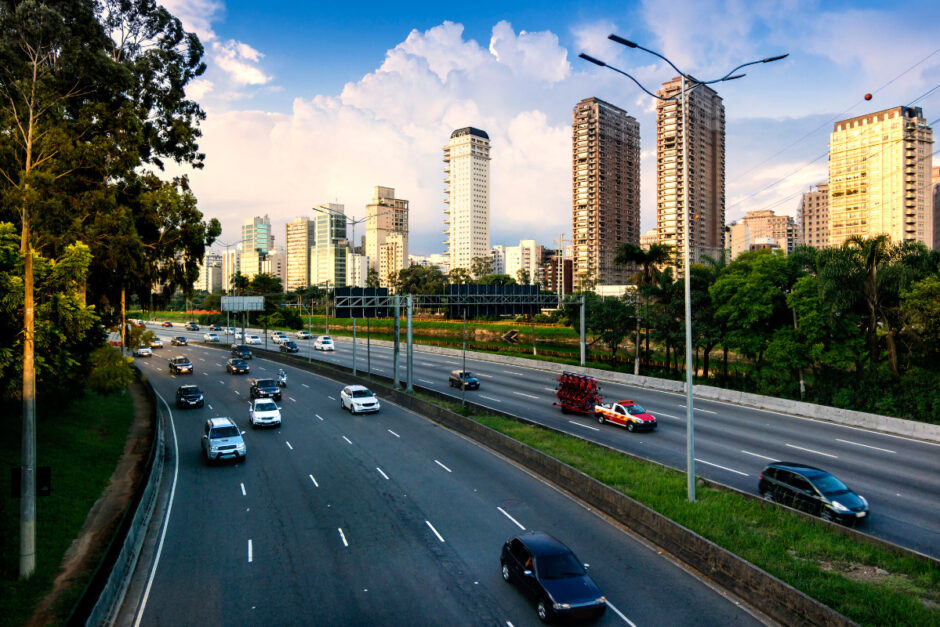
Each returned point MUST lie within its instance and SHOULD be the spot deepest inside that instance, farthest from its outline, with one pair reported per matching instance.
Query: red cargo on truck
(578, 393)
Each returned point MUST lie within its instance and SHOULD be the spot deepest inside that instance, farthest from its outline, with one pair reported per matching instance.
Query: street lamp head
(776, 58)
(731, 78)
(591, 59)
(621, 40)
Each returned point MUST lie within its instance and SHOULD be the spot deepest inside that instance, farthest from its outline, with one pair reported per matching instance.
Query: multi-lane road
(899, 476)
(336, 519)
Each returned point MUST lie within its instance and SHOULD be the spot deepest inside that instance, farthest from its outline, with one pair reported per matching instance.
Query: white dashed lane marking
(443, 466)
(770, 459)
(809, 450)
(315, 484)
(883, 450)
(381, 473)
(393, 433)
(506, 514)
(526, 395)
(585, 426)
(434, 530)
(348, 441)
(737, 472)
(490, 398)
(342, 536)
(243, 489)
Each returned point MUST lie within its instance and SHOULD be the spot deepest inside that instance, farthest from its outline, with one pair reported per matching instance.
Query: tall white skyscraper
(301, 236)
(386, 233)
(467, 179)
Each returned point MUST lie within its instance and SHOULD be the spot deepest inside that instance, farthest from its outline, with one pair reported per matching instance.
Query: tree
(920, 309)
(649, 261)
(522, 276)
(459, 276)
(421, 280)
(372, 278)
(264, 283)
(497, 279)
(481, 266)
(239, 283)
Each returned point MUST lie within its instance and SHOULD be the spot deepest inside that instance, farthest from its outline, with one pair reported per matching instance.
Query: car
(181, 365)
(237, 366)
(238, 334)
(252, 339)
(303, 335)
(324, 343)
(156, 343)
(358, 399)
(143, 351)
(241, 351)
(549, 573)
(139, 324)
(464, 379)
(189, 396)
(210, 337)
(278, 336)
(179, 340)
(192, 326)
(263, 412)
(167, 324)
(265, 388)
(229, 330)
(215, 327)
(627, 414)
(289, 346)
(812, 490)
(222, 439)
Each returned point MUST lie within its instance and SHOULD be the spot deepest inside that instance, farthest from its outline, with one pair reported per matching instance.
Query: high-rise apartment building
(393, 257)
(328, 254)
(385, 216)
(705, 133)
(257, 235)
(357, 269)
(605, 180)
(813, 217)
(523, 262)
(231, 264)
(210, 274)
(649, 238)
(467, 179)
(300, 237)
(935, 183)
(879, 177)
(498, 253)
(762, 229)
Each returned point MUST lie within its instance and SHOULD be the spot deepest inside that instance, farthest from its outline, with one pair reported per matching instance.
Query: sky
(315, 102)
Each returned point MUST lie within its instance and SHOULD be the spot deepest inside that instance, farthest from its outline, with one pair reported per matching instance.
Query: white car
(210, 337)
(303, 335)
(324, 343)
(358, 399)
(252, 339)
(264, 412)
(156, 343)
(278, 336)
(238, 335)
(229, 330)
(143, 351)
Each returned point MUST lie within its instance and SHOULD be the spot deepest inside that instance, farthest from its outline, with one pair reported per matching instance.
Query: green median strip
(865, 582)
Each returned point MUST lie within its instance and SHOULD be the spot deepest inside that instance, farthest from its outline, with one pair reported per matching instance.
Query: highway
(383, 519)
(899, 476)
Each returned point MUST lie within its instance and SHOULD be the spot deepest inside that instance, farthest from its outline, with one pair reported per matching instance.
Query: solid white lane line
(319, 417)
(702, 461)
(315, 484)
(550, 389)
(434, 530)
(330, 397)
(393, 433)
(250, 553)
(243, 490)
(381, 473)
(443, 466)
(770, 459)
(585, 426)
(490, 398)
(809, 450)
(342, 536)
(526, 395)
(485, 376)
(348, 441)
(305, 385)
(288, 445)
(426, 381)
(518, 374)
(884, 450)
(620, 614)
(506, 514)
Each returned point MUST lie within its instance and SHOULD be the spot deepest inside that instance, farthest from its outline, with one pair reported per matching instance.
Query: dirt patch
(82, 556)
(857, 572)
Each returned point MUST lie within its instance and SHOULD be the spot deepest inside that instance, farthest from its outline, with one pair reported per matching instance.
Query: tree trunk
(706, 351)
(724, 362)
(636, 351)
(28, 462)
(892, 353)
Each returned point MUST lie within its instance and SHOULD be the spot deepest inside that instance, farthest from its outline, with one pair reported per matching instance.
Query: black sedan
(237, 366)
(265, 388)
(290, 346)
(547, 571)
(241, 351)
(181, 365)
(189, 396)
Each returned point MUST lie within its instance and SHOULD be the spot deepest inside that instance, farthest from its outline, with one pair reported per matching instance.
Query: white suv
(278, 336)
(264, 412)
(358, 399)
(221, 439)
(324, 343)
(252, 339)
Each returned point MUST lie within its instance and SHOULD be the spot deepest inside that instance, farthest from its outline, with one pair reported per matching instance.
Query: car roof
(180, 358)
(263, 400)
(353, 388)
(541, 543)
(626, 402)
(264, 382)
(220, 421)
(810, 471)
(189, 387)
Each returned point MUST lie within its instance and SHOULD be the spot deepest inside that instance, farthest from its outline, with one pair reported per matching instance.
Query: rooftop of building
(905, 112)
(469, 130)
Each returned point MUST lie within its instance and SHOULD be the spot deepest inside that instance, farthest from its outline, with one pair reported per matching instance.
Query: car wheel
(544, 611)
(630, 426)
(600, 419)
(768, 496)
(342, 404)
(505, 570)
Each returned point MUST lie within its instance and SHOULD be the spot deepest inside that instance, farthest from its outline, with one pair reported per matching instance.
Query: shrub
(110, 371)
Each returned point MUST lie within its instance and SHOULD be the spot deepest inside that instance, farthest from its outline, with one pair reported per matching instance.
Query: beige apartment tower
(813, 217)
(386, 216)
(467, 180)
(879, 177)
(935, 186)
(705, 133)
(762, 229)
(301, 236)
(605, 188)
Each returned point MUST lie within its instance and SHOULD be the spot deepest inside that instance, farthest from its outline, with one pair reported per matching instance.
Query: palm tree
(648, 260)
(871, 255)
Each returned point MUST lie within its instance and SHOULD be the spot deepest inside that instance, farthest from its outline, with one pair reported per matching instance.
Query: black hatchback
(237, 366)
(811, 490)
(549, 573)
(241, 351)
(265, 388)
(290, 346)
(189, 396)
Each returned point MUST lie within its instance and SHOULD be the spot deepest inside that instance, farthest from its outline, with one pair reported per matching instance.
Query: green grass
(785, 544)
(82, 443)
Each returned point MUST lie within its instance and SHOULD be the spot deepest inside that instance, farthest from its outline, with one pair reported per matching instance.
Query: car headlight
(839, 507)
(561, 606)
(600, 600)
(241, 447)
(214, 448)
(864, 501)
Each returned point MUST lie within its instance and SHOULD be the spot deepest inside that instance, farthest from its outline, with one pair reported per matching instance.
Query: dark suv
(551, 575)
(265, 388)
(192, 326)
(181, 365)
(462, 378)
(189, 396)
(811, 490)
(241, 351)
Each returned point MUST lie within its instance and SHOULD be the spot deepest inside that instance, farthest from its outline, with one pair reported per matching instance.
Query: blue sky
(309, 102)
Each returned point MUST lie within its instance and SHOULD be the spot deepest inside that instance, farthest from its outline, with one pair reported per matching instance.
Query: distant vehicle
(289, 346)
(812, 490)
(189, 396)
(221, 439)
(358, 399)
(252, 339)
(237, 366)
(181, 365)
(265, 388)
(549, 573)
(156, 343)
(143, 351)
(626, 414)
(229, 330)
(264, 413)
(324, 343)
(179, 340)
(303, 335)
(278, 336)
(577, 393)
(192, 326)
(215, 327)
(238, 334)
(167, 324)
(139, 323)
(210, 337)
(241, 351)
(463, 379)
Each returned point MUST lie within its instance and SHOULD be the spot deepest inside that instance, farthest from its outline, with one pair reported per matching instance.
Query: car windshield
(361, 393)
(224, 432)
(181, 360)
(190, 391)
(238, 362)
(265, 406)
(560, 566)
(467, 375)
(290, 344)
(635, 409)
(266, 383)
(325, 340)
(827, 484)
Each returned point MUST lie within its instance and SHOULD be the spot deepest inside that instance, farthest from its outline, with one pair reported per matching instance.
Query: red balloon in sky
(867, 96)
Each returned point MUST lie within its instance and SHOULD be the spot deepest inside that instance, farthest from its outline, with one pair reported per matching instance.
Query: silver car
(264, 412)
(221, 439)
(358, 399)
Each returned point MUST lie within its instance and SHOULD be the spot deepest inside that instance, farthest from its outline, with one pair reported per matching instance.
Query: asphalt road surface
(382, 519)
(900, 477)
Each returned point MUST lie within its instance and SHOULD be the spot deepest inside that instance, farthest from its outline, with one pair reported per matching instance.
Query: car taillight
(761, 477)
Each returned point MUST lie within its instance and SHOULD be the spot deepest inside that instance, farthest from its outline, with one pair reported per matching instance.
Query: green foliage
(481, 266)
(497, 279)
(421, 280)
(265, 285)
(110, 371)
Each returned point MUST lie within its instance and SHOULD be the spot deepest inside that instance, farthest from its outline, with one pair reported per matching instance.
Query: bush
(540, 317)
(110, 371)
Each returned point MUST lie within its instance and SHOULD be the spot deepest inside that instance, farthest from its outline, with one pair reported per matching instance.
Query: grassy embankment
(82, 443)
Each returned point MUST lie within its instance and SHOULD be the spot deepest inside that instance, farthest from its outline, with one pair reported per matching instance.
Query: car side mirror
(586, 566)
(528, 573)
(243, 433)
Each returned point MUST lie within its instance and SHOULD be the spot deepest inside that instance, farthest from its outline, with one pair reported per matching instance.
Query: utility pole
(396, 360)
(409, 354)
(583, 347)
(463, 372)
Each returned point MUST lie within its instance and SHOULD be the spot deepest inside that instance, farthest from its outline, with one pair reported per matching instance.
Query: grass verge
(866, 583)
(82, 443)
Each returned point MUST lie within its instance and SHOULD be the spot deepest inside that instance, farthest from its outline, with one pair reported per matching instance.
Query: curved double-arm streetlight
(683, 96)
